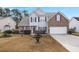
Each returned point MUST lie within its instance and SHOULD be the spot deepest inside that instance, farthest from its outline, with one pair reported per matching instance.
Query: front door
(33, 29)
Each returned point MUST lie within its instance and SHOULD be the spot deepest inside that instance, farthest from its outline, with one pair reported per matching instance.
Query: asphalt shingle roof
(77, 18)
(24, 21)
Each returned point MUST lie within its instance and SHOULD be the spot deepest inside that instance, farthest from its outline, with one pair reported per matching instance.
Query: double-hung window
(58, 17)
(33, 19)
(38, 19)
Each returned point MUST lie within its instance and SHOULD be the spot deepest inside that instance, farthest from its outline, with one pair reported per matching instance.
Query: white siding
(41, 23)
(42, 19)
(74, 24)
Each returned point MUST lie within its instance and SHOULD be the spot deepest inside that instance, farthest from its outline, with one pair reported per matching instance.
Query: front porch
(41, 30)
(33, 29)
(24, 30)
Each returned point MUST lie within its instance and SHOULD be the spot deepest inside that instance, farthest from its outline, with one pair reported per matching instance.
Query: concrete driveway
(70, 42)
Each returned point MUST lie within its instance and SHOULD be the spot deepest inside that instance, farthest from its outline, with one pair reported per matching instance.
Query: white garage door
(58, 30)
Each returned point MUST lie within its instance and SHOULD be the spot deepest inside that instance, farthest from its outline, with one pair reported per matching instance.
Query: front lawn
(27, 43)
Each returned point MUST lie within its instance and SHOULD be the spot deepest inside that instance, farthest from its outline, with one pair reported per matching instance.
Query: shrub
(7, 33)
(15, 31)
(70, 31)
(41, 32)
(27, 31)
(37, 36)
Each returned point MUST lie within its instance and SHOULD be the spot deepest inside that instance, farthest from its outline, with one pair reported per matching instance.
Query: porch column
(47, 28)
(32, 30)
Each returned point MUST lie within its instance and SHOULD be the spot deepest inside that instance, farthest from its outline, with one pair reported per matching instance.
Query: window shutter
(45, 19)
(35, 19)
(31, 19)
(38, 19)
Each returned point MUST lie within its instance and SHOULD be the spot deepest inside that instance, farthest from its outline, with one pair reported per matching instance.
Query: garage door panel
(58, 30)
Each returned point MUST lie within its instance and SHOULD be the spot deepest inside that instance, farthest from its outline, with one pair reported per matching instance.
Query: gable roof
(77, 18)
(7, 20)
(24, 21)
(64, 16)
(1, 18)
(39, 12)
(50, 15)
(61, 14)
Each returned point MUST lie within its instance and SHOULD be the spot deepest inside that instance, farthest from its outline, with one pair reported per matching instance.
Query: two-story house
(51, 23)
(38, 20)
(35, 21)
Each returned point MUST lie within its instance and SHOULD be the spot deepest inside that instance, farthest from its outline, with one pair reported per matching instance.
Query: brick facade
(54, 23)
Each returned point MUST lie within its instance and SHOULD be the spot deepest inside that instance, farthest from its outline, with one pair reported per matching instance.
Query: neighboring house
(74, 23)
(7, 23)
(51, 23)
(58, 24)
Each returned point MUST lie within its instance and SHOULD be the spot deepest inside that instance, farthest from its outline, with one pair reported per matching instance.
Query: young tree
(25, 12)
(1, 11)
(37, 36)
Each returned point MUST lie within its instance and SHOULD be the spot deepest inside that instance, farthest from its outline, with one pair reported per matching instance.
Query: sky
(69, 12)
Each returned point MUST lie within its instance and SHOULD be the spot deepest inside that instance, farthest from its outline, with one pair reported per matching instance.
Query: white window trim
(58, 17)
(33, 19)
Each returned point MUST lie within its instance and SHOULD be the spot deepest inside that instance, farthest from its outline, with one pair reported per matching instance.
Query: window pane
(35, 19)
(45, 19)
(38, 19)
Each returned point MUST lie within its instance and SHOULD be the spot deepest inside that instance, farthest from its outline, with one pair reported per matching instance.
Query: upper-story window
(42, 19)
(58, 17)
(45, 19)
(38, 19)
(33, 19)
